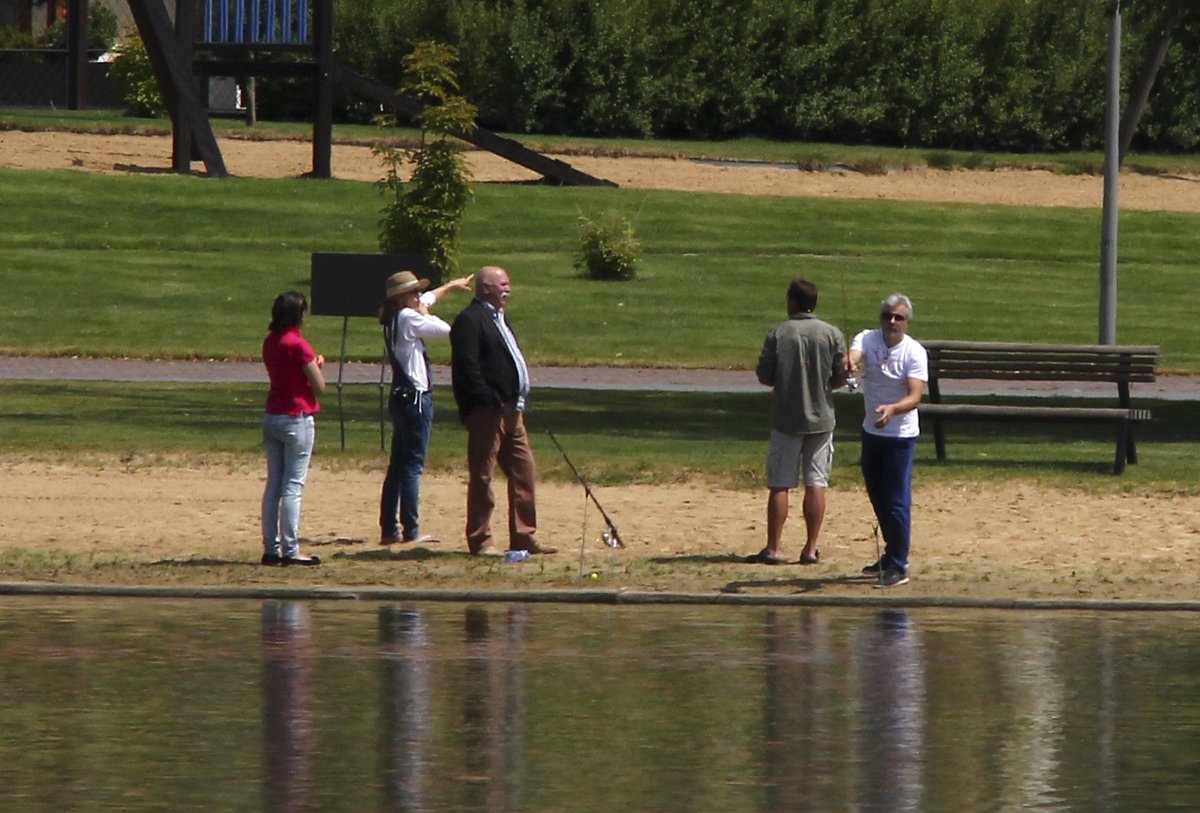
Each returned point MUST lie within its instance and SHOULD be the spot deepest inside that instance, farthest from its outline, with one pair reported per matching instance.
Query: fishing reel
(610, 538)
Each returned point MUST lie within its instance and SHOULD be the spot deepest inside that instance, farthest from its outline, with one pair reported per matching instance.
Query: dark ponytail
(288, 311)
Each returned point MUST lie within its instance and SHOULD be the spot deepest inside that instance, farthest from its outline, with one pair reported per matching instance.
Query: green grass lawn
(180, 267)
(177, 267)
(613, 437)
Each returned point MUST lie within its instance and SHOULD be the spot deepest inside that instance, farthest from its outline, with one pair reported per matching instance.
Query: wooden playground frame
(243, 38)
(173, 54)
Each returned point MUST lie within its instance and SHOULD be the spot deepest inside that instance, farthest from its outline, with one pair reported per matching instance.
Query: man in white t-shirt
(893, 368)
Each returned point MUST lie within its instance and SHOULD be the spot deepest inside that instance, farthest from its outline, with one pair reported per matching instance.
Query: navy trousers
(399, 508)
(887, 465)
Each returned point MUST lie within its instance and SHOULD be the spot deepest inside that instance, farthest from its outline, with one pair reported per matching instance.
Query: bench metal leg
(1123, 439)
(939, 439)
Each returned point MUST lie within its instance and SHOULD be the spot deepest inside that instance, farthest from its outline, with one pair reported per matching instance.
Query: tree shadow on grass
(139, 169)
(797, 585)
(342, 541)
(701, 559)
(1016, 464)
(205, 563)
(406, 554)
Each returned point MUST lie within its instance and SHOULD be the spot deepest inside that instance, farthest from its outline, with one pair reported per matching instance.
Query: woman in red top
(288, 431)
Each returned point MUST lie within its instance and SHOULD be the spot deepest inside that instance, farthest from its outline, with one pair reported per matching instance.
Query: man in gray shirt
(803, 359)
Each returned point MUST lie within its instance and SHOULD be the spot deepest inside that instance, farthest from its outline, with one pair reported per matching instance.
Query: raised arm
(460, 284)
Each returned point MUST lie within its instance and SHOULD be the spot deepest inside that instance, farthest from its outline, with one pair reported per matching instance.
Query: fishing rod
(610, 536)
(851, 380)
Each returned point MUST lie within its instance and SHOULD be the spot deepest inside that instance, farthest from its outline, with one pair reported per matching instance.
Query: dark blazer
(482, 373)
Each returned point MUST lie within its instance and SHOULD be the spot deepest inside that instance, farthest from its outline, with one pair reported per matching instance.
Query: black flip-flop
(810, 560)
(764, 558)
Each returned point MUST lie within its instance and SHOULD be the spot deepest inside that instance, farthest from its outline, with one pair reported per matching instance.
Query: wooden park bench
(1121, 365)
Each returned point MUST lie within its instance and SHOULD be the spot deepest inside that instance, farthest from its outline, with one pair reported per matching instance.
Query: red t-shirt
(285, 355)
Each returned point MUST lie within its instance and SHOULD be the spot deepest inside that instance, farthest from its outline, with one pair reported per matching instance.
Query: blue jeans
(399, 505)
(288, 442)
(887, 465)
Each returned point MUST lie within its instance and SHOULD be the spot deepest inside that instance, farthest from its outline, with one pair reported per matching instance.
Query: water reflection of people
(494, 709)
(798, 719)
(1031, 756)
(891, 708)
(405, 708)
(288, 736)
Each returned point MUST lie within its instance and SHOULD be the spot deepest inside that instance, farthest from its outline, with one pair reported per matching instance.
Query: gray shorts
(788, 455)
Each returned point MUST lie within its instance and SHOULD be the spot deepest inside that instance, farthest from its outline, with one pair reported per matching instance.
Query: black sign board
(352, 284)
(348, 285)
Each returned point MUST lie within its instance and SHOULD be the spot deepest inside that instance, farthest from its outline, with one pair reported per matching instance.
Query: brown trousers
(494, 437)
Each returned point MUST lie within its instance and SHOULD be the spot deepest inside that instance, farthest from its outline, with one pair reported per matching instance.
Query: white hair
(897, 299)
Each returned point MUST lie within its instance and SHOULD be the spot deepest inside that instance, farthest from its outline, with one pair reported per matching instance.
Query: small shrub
(976, 160)
(134, 73)
(102, 31)
(871, 166)
(940, 160)
(425, 214)
(11, 37)
(608, 247)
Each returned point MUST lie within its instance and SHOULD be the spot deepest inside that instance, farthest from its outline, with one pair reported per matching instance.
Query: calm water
(290, 706)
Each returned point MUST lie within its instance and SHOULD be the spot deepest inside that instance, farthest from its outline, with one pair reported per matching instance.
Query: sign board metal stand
(348, 285)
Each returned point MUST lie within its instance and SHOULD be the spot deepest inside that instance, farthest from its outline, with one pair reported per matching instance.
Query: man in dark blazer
(491, 382)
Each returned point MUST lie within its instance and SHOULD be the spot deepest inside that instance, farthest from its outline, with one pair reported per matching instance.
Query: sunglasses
(893, 317)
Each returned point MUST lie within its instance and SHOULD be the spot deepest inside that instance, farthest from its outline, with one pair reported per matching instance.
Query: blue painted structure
(255, 22)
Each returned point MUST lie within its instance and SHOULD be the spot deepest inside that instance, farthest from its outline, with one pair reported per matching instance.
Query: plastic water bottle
(511, 557)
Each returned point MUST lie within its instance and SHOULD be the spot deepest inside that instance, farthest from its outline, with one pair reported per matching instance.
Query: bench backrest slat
(1030, 362)
(1045, 375)
(1021, 347)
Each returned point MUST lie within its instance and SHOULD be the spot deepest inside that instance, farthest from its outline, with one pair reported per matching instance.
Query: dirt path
(284, 159)
(115, 522)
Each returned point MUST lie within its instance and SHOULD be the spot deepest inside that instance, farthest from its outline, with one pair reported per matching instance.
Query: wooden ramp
(551, 169)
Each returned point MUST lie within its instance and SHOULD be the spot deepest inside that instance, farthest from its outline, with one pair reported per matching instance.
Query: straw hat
(404, 282)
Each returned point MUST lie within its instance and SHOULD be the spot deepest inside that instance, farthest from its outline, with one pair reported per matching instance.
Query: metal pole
(1112, 169)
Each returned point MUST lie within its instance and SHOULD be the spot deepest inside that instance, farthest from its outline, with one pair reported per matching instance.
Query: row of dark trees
(967, 74)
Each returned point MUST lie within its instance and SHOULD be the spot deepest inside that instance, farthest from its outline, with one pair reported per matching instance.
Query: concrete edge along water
(582, 596)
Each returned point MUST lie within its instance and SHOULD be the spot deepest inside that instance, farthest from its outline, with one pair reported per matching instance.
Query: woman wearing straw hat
(407, 322)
